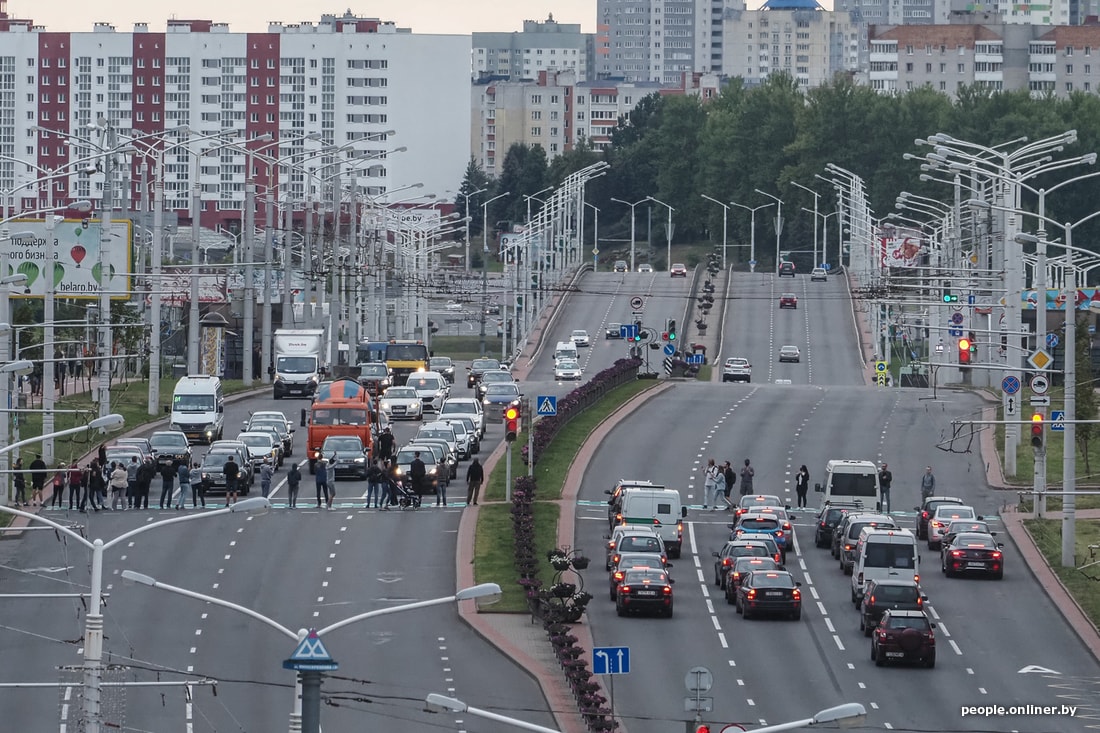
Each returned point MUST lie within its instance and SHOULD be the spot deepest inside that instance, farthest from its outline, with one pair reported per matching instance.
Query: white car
(789, 353)
(818, 274)
(432, 387)
(453, 305)
(567, 369)
(442, 431)
(645, 268)
(262, 448)
(465, 407)
(736, 369)
(942, 519)
(579, 338)
(401, 403)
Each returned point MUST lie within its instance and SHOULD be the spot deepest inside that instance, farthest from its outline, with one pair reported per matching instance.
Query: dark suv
(904, 636)
(928, 508)
(477, 368)
(170, 446)
(880, 596)
(786, 269)
(827, 520)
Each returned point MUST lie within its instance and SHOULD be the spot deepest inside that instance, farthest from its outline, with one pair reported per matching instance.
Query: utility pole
(104, 362)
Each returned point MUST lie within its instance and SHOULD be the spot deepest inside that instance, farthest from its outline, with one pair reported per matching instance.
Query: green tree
(523, 173)
(475, 179)
(1086, 406)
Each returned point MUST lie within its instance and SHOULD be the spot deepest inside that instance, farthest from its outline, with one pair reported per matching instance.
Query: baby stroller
(406, 498)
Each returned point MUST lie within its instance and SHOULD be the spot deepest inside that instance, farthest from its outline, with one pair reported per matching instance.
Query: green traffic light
(950, 298)
(671, 336)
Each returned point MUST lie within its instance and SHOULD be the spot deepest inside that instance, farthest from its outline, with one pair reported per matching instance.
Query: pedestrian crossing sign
(547, 405)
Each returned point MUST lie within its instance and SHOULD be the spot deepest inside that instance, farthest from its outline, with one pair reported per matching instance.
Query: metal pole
(249, 292)
(196, 275)
(287, 316)
(154, 291)
(725, 241)
(93, 642)
(6, 397)
(48, 339)
(632, 268)
(335, 302)
(508, 472)
(484, 271)
(1069, 454)
(265, 313)
(752, 242)
(1040, 343)
(103, 366)
(668, 231)
(311, 702)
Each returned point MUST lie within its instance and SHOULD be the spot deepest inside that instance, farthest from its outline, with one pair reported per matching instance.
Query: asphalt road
(994, 638)
(305, 568)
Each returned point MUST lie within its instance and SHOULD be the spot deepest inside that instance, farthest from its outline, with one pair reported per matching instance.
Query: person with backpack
(731, 479)
(293, 482)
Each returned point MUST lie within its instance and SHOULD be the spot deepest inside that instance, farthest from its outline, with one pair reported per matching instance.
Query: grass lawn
(554, 463)
(1087, 474)
(493, 550)
(467, 348)
(1082, 584)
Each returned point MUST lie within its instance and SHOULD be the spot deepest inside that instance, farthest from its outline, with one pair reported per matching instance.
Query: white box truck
(299, 364)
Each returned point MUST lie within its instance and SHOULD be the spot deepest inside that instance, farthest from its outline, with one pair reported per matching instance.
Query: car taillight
(618, 518)
(787, 526)
(871, 600)
(823, 524)
(611, 545)
(956, 553)
(727, 562)
(996, 556)
(668, 590)
(847, 547)
(752, 593)
(778, 558)
(796, 594)
(916, 577)
(615, 559)
(624, 589)
(882, 636)
(924, 515)
(736, 575)
(779, 533)
(920, 601)
(680, 527)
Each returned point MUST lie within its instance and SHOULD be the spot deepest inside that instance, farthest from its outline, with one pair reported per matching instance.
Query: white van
(657, 507)
(883, 554)
(565, 350)
(198, 408)
(852, 482)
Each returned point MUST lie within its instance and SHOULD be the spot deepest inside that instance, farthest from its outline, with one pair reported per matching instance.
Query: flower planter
(580, 562)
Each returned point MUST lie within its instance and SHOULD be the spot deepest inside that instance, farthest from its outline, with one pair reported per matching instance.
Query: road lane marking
(821, 607)
(955, 647)
(829, 623)
(862, 686)
(944, 631)
(813, 592)
(839, 643)
(874, 706)
(982, 690)
(722, 640)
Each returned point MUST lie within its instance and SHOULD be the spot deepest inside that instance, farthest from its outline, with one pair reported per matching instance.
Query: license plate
(895, 654)
(774, 594)
(647, 593)
(975, 565)
(295, 390)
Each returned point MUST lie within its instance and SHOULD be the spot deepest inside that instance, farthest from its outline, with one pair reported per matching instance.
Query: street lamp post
(816, 195)
(632, 205)
(848, 715)
(466, 197)
(105, 350)
(752, 230)
(306, 710)
(778, 223)
(725, 219)
(485, 262)
(668, 230)
(595, 236)
(437, 703)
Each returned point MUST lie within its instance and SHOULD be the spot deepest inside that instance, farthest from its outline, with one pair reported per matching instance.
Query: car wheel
(878, 660)
(619, 610)
(717, 579)
(736, 605)
(862, 625)
(612, 594)
(748, 381)
(949, 572)
(730, 598)
(745, 614)
(668, 612)
(722, 583)
(796, 615)
(943, 565)
(931, 545)
(674, 553)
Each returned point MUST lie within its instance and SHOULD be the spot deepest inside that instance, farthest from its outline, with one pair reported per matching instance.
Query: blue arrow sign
(956, 332)
(627, 331)
(669, 349)
(696, 359)
(1010, 385)
(611, 660)
(1056, 420)
(1052, 340)
(547, 405)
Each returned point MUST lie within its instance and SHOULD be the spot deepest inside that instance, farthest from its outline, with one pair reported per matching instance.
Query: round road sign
(637, 302)
(698, 679)
(957, 318)
(1039, 384)
(1010, 385)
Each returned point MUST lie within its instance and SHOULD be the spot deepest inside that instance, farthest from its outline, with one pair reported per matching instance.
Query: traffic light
(638, 333)
(1037, 430)
(964, 351)
(950, 297)
(511, 423)
(702, 728)
(672, 329)
(664, 336)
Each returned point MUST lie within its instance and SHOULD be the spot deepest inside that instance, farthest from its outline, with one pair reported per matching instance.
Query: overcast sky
(422, 16)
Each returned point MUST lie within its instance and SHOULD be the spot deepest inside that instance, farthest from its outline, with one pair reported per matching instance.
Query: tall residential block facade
(650, 40)
(541, 46)
(345, 88)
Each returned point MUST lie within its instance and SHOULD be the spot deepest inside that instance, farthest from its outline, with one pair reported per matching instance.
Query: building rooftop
(791, 5)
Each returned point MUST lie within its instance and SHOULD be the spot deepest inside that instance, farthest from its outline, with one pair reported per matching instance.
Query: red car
(788, 300)
(678, 270)
(904, 636)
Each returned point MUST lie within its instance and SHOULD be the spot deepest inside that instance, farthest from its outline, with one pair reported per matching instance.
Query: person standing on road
(747, 474)
(385, 445)
(885, 478)
(58, 486)
(321, 477)
(374, 484)
(118, 485)
(710, 482)
(293, 481)
(38, 479)
(20, 483)
(266, 474)
(167, 485)
(927, 483)
(390, 469)
(132, 469)
(198, 486)
(183, 473)
(145, 476)
(97, 487)
(730, 479)
(417, 472)
(475, 475)
(232, 475)
(802, 485)
(74, 479)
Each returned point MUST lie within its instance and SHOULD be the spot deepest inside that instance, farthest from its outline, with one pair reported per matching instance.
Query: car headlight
(209, 431)
(278, 379)
(399, 471)
(385, 406)
(486, 401)
(431, 471)
(360, 460)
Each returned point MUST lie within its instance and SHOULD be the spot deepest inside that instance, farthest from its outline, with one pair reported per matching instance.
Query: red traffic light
(704, 728)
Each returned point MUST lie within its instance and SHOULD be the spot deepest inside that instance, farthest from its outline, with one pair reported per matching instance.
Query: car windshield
(856, 527)
(214, 460)
(193, 403)
(485, 364)
(955, 513)
(458, 408)
(736, 362)
(255, 441)
(977, 541)
(502, 389)
(169, 440)
(932, 506)
(296, 364)
(406, 352)
(957, 527)
(758, 562)
(405, 456)
(441, 362)
(772, 580)
(581, 334)
(896, 593)
(496, 377)
(567, 364)
(909, 622)
(760, 500)
(640, 561)
(883, 555)
(759, 524)
(373, 370)
(425, 383)
(428, 453)
(342, 444)
(639, 544)
(401, 393)
(749, 551)
(789, 296)
(641, 576)
(278, 427)
(447, 435)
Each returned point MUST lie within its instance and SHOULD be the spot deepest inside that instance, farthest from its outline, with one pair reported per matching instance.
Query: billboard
(75, 270)
(901, 247)
(175, 286)
(1056, 299)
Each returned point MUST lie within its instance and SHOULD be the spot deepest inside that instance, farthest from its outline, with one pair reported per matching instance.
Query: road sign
(698, 704)
(611, 660)
(1010, 403)
(955, 332)
(1040, 359)
(752, 262)
(1043, 401)
(628, 331)
(1010, 385)
(880, 366)
(696, 359)
(547, 405)
(1052, 340)
(880, 380)
(637, 303)
(970, 300)
(1039, 384)
(670, 349)
(311, 656)
(956, 308)
(698, 679)
(1056, 420)
(957, 318)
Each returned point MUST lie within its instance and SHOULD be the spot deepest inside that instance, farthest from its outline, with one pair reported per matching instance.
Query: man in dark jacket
(38, 475)
(232, 475)
(417, 472)
(385, 445)
(145, 476)
(475, 475)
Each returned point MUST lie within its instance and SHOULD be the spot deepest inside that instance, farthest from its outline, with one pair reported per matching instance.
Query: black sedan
(346, 456)
(769, 591)
(742, 567)
(644, 590)
(973, 552)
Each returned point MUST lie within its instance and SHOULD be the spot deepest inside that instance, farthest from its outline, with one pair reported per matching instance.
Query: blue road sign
(696, 359)
(957, 318)
(955, 332)
(1052, 340)
(628, 331)
(970, 300)
(311, 656)
(752, 262)
(669, 349)
(827, 266)
(547, 405)
(1056, 418)
(1010, 385)
(611, 660)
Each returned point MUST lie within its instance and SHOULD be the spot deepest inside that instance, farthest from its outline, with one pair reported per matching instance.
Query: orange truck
(342, 407)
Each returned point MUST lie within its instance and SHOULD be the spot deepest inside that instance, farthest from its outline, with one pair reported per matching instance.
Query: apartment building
(650, 40)
(998, 56)
(358, 87)
(540, 46)
(797, 37)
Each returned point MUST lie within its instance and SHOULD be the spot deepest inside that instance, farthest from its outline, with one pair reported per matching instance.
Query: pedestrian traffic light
(511, 423)
(672, 329)
(1037, 430)
(964, 351)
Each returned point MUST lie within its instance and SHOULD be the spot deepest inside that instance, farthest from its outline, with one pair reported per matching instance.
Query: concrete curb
(862, 327)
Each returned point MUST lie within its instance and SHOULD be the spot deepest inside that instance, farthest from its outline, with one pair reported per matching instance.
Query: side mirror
(715, 554)
(932, 625)
(916, 508)
(221, 408)
(1000, 546)
(992, 534)
(730, 526)
(683, 511)
(797, 584)
(670, 580)
(668, 565)
(787, 507)
(981, 518)
(924, 596)
(819, 488)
